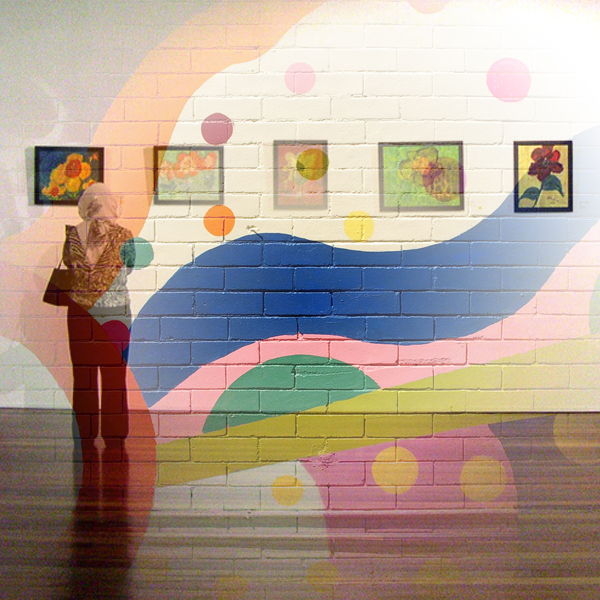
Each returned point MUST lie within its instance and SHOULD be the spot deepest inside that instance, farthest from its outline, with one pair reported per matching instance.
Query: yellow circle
(359, 226)
(231, 588)
(322, 575)
(483, 478)
(287, 490)
(578, 437)
(312, 164)
(395, 470)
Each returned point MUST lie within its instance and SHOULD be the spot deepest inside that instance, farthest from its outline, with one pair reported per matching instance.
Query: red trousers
(99, 378)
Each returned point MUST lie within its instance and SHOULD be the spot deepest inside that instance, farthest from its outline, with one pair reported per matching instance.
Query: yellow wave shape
(550, 379)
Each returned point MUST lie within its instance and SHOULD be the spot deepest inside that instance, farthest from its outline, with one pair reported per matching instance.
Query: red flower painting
(545, 161)
(543, 176)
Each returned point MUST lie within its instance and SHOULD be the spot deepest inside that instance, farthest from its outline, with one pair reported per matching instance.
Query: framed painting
(300, 171)
(188, 175)
(421, 176)
(543, 176)
(62, 173)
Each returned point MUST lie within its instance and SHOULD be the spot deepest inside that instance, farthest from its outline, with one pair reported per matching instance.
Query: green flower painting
(421, 176)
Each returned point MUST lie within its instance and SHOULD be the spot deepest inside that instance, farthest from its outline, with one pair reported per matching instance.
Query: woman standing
(100, 255)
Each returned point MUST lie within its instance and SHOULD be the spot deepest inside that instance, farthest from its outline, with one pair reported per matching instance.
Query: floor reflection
(101, 544)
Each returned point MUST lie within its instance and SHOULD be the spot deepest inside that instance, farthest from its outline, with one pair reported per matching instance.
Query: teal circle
(137, 253)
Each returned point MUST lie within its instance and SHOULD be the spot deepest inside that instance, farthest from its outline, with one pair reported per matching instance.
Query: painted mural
(363, 352)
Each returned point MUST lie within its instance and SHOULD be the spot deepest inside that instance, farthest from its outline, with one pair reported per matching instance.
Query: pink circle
(300, 78)
(118, 333)
(509, 80)
(428, 7)
(217, 129)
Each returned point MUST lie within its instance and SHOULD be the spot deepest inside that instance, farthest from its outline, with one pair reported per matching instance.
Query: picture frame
(543, 176)
(421, 176)
(300, 174)
(63, 173)
(188, 175)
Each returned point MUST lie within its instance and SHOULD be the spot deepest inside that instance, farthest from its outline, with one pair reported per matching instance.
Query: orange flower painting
(63, 173)
(188, 175)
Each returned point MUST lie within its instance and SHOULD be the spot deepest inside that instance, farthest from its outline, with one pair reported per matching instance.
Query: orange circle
(219, 220)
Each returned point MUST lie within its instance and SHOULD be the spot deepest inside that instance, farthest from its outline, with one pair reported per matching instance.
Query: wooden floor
(60, 542)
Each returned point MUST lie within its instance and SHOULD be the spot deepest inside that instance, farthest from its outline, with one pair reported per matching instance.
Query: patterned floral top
(104, 284)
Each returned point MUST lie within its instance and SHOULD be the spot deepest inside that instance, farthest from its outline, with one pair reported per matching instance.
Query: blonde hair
(98, 201)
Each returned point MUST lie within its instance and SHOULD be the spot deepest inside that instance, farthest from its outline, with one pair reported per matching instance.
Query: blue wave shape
(262, 286)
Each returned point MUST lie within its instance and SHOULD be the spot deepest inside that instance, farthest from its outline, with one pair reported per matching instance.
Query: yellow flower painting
(62, 174)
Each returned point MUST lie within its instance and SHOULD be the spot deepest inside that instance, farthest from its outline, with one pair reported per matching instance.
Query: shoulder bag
(59, 284)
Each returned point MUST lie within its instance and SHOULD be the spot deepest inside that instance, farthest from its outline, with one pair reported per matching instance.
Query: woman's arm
(128, 252)
(66, 252)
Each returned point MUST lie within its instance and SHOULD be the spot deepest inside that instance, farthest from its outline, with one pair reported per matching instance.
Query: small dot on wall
(137, 253)
(287, 490)
(359, 226)
(428, 7)
(217, 129)
(300, 78)
(312, 164)
(509, 80)
(395, 470)
(219, 220)
(483, 479)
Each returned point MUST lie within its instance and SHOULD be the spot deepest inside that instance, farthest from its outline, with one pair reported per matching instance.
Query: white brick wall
(384, 73)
